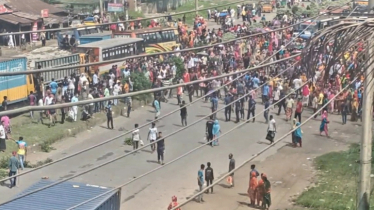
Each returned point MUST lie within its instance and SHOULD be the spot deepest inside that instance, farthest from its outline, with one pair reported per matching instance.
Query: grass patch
(336, 188)
(190, 5)
(40, 134)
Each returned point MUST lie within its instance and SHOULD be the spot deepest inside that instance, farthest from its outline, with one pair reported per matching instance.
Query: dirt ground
(290, 171)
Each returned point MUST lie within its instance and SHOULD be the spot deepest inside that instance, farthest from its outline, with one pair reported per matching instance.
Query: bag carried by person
(270, 135)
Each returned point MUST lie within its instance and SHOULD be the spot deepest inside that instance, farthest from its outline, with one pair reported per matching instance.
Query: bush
(180, 66)
(128, 141)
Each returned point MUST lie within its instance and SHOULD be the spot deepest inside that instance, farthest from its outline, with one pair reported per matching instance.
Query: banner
(115, 7)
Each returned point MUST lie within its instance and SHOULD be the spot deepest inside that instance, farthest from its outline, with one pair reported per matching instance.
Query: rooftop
(59, 197)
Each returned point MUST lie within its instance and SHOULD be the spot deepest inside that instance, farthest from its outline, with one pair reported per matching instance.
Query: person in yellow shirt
(320, 99)
(22, 150)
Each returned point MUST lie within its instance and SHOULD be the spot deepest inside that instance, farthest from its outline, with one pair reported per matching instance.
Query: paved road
(176, 179)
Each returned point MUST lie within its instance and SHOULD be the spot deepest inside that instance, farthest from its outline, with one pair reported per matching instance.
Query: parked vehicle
(70, 60)
(66, 195)
(89, 38)
(18, 87)
(77, 32)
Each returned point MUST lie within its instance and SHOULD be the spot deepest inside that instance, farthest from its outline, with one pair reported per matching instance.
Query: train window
(140, 36)
(165, 36)
(93, 30)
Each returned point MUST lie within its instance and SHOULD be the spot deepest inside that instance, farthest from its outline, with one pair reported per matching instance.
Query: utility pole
(101, 9)
(196, 6)
(363, 197)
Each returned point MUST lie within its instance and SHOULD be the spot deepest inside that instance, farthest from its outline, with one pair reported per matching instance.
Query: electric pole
(101, 9)
(196, 6)
(364, 187)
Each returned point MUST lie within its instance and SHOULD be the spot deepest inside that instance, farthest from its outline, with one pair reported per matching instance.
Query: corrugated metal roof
(10, 18)
(26, 15)
(110, 42)
(59, 197)
(32, 6)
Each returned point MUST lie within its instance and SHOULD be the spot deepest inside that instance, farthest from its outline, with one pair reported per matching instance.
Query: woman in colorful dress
(266, 203)
(260, 192)
(252, 190)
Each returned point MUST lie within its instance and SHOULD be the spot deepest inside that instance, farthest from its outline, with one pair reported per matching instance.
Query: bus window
(172, 35)
(82, 32)
(166, 36)
(140, 36)
(105, 55)
(158, 37)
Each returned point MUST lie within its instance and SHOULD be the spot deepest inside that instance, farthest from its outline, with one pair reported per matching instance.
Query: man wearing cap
(13, 168)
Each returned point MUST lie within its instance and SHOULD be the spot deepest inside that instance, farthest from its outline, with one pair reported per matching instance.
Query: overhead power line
(124, 21)
(259, 153)
(109, 140)
(139, 56)
(121, 156)
(184, 155)
(58, 106)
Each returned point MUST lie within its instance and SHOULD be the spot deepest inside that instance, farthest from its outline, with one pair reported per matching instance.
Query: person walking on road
(13, 168)
(156, 105)
(289, 106)
(216, 131)
(253, 169)
(209, 177)
(344, 108)
(109, 115)
(251, 108)
(136, 137)
(214, 101)
(298, 110)
(209, 130)
(228, 100)
(183, 113)
(160, 148)
(266, 111)
(260, 191)
(272, 129)
(200, 181)
(231, 168)
(152, 136)
(238, 108)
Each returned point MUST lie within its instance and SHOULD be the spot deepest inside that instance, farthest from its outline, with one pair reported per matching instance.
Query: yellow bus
(155, 39)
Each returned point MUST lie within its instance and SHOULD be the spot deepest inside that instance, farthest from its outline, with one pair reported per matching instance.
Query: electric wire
(109, 140)
(188, 153)
(70, 104)
(122, 156)
(159, 53)
(260, 152)
(143, 146)
(124, 21)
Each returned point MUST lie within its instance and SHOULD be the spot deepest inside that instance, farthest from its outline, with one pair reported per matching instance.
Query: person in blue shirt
(109, 115)
(255, 82)
(214, 101)
(157, 107)
(200, 181)
(265, 92)
(53, 85)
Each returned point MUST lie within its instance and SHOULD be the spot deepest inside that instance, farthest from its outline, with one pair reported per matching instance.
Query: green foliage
(4, 161)
(336, 188)
(180, 66)
(140, 81)
(295, 9)
(3, 173)
(128, 141)
(46, 146)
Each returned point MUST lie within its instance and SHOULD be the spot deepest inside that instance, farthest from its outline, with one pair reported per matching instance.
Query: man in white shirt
(91, 105)
(272, 129)
(136, 137)
(2, 138)
(116, 90)
(152, 136)
(276, 97)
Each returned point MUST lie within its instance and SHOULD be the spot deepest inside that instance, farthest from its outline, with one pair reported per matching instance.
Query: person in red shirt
(299, 110)
(173, 203)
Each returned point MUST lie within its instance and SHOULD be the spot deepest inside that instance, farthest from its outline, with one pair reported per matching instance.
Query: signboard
(35, 35)
(115, 7)
(44, 13)
(3, 9)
